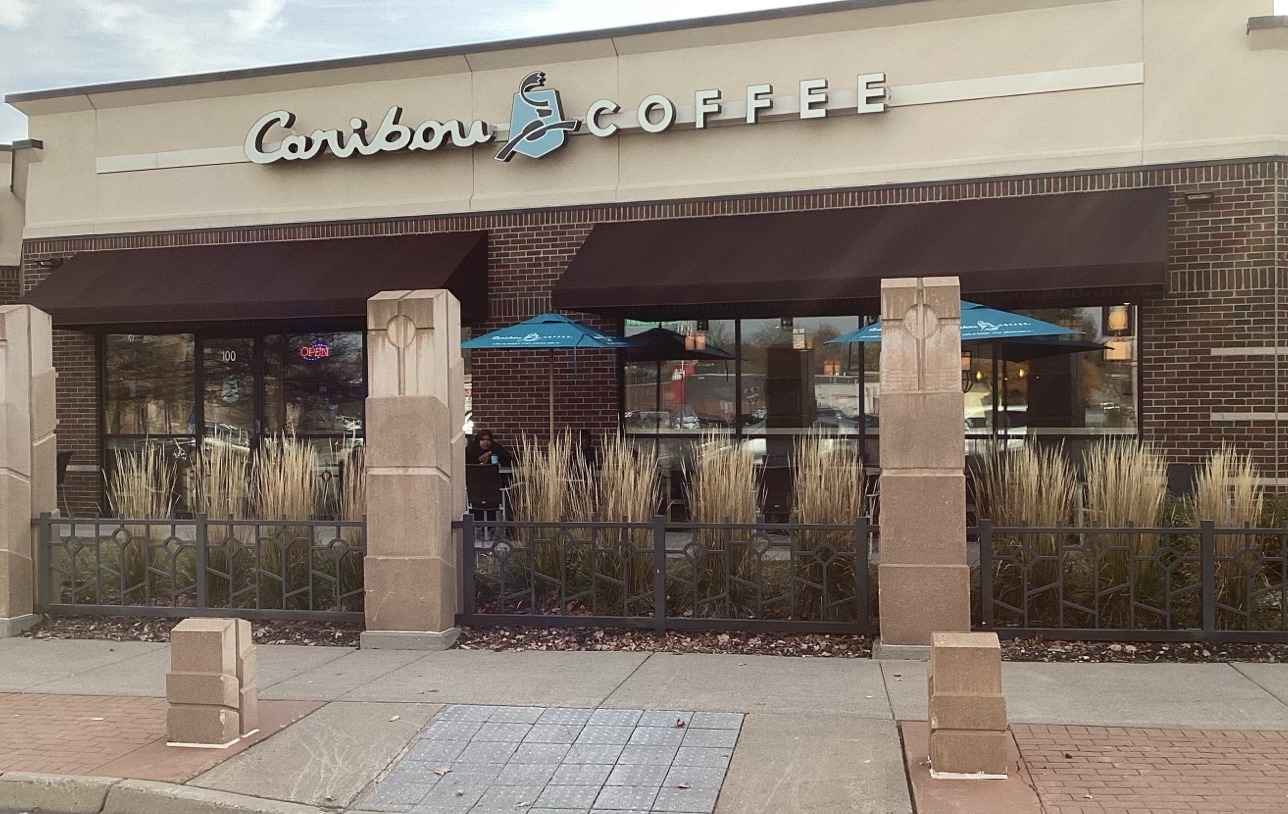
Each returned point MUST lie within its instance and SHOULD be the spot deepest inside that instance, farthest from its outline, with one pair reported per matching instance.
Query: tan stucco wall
(11, 214)
(1205, 95)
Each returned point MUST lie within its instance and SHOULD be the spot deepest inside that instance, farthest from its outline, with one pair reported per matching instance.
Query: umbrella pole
(657, 406)
(551, 391)
(995, 397)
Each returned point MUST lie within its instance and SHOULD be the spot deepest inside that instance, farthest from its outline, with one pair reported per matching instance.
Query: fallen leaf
(396, 717)
(442, 770)
(460, 792)
(679, 724)
(684, 786)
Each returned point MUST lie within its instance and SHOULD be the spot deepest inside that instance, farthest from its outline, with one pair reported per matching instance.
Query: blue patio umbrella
(550, 332)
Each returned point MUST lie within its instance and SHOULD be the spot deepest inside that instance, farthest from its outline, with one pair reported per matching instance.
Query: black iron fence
(255, 569)
(662, 575)
(1184, 584)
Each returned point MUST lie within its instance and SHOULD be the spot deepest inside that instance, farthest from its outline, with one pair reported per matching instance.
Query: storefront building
(206, 244)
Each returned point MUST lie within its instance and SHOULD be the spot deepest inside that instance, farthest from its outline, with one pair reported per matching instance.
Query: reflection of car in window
(685, 419)
(833, 418)
(1013, 423)
(647, 419)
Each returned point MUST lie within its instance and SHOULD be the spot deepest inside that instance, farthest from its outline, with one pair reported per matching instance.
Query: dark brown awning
(827, 261)
(244, 282)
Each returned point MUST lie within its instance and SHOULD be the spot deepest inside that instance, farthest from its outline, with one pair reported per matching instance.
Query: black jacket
(473, 452)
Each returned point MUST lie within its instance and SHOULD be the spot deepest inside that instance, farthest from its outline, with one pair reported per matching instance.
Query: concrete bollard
(968, 737)
(248, 694)
(211, 683)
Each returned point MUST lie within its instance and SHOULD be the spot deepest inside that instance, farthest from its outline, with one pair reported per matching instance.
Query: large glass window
(1069, 397)
(307, 385)
(149, 385)
(785, 379)
(316, 384)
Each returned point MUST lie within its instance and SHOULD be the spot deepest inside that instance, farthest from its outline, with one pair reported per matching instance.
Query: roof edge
(23, 144)
(1273, 21)
(458, 50)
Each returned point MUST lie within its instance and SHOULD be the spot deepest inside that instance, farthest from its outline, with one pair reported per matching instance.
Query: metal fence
(254, 569)
(1163, 584)
(661, 575)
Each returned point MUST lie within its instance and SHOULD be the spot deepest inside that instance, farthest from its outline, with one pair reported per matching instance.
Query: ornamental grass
(1227, 492)
(141, 486)
(552, 485)
(723, 489)
(285, 487)
(1126, 489)
(627, 491)
(828, 490)
(1033, 486)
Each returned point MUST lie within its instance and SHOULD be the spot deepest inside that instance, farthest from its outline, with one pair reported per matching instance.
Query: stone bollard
(211, 683)
(968, 737)
(247, 665)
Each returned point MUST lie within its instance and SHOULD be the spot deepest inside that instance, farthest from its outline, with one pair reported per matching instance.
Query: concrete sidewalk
(817, 734)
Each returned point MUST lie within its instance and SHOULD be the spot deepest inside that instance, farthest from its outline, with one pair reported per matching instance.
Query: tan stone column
(28, 455)
(415, 469)
(924, 579)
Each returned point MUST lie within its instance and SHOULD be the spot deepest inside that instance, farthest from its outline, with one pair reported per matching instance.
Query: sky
(60, 43)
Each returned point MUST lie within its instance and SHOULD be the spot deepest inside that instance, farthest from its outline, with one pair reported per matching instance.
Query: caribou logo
(537, 123)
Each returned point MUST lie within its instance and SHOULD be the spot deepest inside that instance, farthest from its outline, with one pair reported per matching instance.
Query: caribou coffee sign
(538, 125)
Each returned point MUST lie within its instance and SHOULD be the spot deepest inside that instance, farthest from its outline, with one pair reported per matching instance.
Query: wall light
(785, 323)
(51, 262)
(1201, 197)
(1118, 350)
(1117, 320)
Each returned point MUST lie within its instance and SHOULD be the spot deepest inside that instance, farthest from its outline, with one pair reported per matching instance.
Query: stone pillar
(28, 455)
(924, 579)
(415, 461)
(968, 737)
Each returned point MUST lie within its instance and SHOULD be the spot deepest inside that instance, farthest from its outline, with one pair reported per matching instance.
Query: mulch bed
(149, 629)
(155, 629)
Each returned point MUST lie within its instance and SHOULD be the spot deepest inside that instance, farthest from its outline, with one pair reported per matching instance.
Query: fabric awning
(825, 261)
(278, 281)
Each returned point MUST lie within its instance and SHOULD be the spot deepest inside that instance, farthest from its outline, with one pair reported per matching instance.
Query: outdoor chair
(777, 487)
(484, 493)
(673, 492)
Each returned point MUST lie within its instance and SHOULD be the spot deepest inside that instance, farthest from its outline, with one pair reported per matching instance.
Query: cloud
(149, 37)
(14, 13)
(258, 16)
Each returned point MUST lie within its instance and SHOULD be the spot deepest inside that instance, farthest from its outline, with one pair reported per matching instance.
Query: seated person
(485, 449)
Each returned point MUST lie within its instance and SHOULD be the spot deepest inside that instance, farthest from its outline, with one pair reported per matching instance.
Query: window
(310, 385)
(780, 378)
(1073, 397)
(149, 385)
(785, 379)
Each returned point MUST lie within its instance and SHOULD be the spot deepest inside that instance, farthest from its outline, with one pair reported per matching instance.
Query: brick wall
(1228, 263)
(1226, 294)
(10, 284)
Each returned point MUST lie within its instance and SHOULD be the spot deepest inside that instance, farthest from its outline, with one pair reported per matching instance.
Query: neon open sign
(316, 351)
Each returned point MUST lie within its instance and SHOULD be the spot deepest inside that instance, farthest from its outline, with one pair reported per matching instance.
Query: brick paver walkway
(114, 736)
(1097, 770)
(484, 759)
(74, 734)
